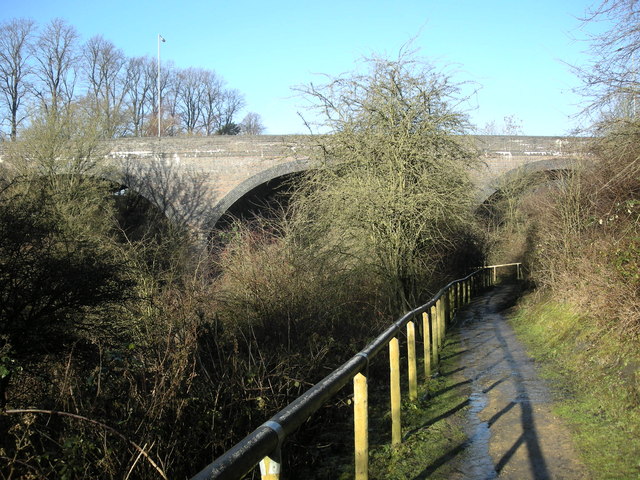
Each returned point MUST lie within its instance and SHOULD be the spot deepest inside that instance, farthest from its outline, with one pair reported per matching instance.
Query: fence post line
(494, 278)
(426, 346)
(411, 360)
(394, 379)
(361, 426)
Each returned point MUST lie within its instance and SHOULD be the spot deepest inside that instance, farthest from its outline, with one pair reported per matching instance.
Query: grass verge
(596, 375)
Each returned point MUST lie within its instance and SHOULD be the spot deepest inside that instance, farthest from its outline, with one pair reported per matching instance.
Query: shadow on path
(512, 431)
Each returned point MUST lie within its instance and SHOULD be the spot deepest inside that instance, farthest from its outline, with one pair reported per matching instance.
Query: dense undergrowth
(580, 238)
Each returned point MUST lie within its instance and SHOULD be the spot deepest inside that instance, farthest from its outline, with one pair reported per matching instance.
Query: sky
(515, 52)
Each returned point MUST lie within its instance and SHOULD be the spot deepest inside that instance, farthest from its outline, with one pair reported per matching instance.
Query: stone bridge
(228, 168)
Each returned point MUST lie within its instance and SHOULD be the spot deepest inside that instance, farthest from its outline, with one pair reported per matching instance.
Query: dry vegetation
(585, 236)
(148, 355)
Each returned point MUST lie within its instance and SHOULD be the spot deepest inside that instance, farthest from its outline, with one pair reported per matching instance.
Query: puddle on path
(512, 431)
(477, 462)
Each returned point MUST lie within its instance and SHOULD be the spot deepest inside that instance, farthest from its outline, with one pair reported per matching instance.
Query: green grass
(596, 380)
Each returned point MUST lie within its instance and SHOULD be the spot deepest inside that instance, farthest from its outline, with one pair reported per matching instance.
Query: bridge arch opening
(506, 211)
(258, 195)
(524, 177)
(264, 200)
(517, 187)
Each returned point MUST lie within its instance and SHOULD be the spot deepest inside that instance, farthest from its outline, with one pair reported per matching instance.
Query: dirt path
(513, 433)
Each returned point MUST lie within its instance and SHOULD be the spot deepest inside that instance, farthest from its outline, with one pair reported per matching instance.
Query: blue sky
(515, 51)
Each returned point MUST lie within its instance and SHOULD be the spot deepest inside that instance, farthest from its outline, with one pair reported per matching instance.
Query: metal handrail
(265, 440)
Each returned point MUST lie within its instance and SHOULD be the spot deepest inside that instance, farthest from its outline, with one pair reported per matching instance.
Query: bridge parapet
(219, 146)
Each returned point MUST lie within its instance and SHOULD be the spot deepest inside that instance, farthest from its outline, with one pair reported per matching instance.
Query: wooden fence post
(394, 378)
(443, 319)
(434, 335)
(361, 426)
(270, 467)
(411, 361)
(426, 346)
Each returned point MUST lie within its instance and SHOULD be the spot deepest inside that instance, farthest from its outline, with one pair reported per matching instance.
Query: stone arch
(541, 166)
(273, 173)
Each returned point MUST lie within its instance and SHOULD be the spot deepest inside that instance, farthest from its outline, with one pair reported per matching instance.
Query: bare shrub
(586, 232)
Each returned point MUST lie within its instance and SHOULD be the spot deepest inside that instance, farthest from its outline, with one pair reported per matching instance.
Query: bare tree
(190, 96)
(212, 97)
(103, 63)
(140, 93)
(232, 102)
(170, 84)
(119, 92)
(489, 128)
(251, 124)
(399, 198)
(56, 61)
(611, 78)
(15, 38)
(512, 125)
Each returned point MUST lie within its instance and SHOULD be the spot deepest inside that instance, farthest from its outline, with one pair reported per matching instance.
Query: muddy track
(512, 431)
